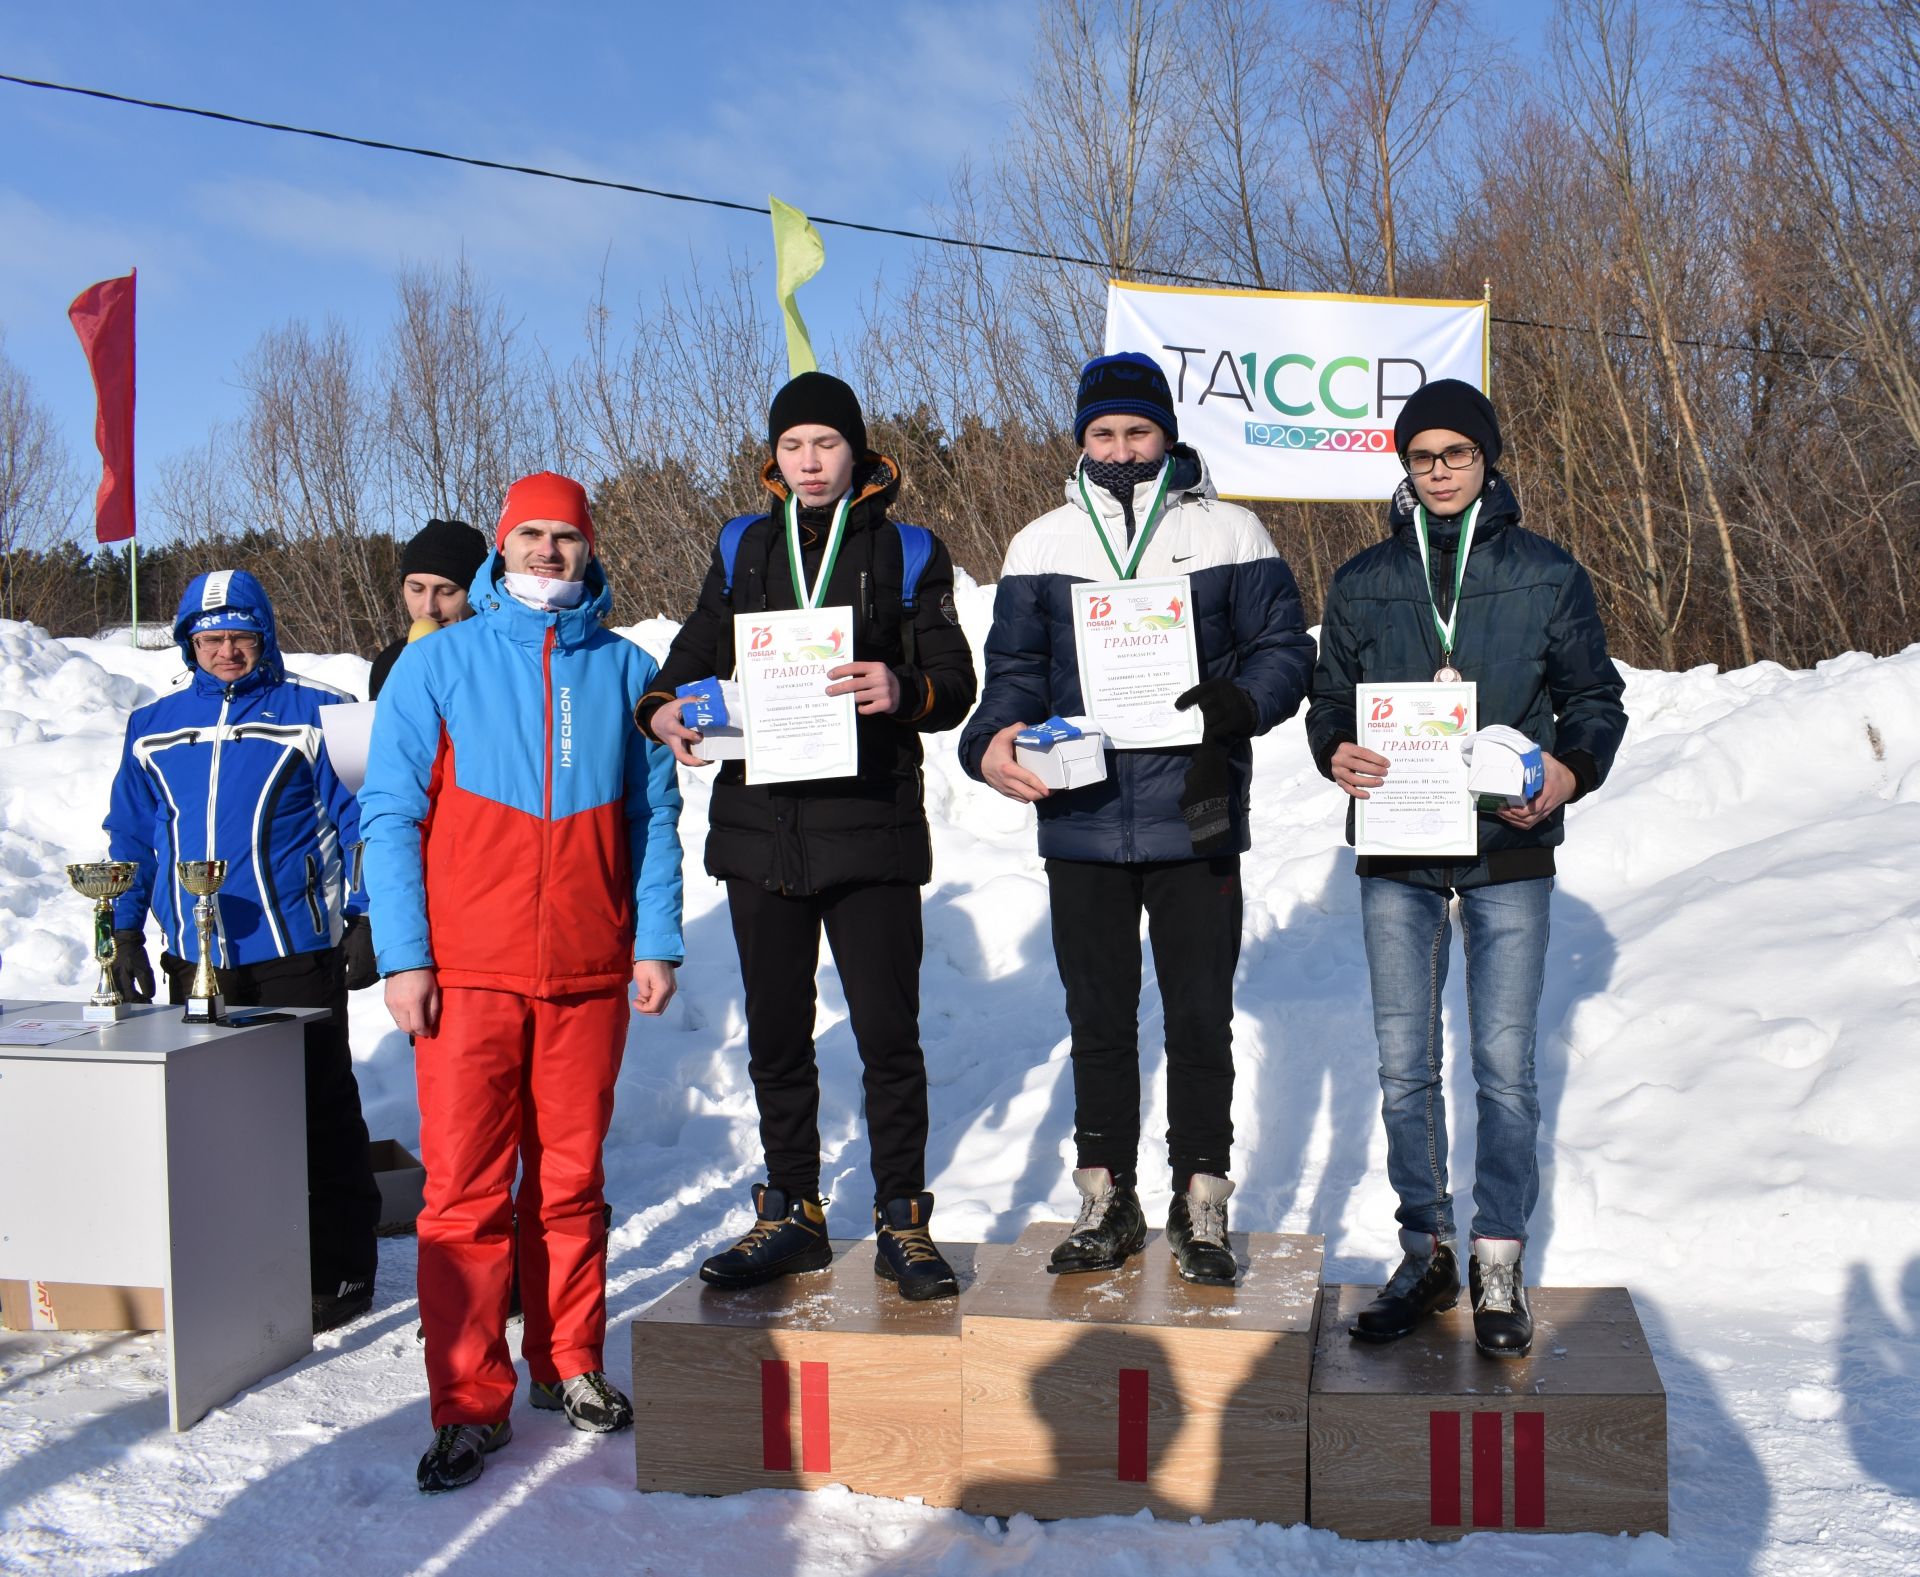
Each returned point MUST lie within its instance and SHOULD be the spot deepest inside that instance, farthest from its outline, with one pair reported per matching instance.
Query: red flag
(102, 316)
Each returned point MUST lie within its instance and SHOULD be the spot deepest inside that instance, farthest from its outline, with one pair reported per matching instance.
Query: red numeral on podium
(776, 1418)
(1489, 1469)
(1133, 1426)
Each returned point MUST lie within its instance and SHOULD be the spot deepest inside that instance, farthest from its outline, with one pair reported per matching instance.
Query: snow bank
(1730, 1074)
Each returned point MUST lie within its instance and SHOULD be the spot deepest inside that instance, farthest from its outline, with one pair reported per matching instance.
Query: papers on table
(43, 1031)
(1423, 807)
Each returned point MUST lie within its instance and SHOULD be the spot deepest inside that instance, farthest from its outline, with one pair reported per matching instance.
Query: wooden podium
(826, 1378)
(1110, 1392)
(1424, 1438)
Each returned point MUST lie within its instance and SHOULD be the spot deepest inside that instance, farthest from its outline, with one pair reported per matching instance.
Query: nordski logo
(566, 726)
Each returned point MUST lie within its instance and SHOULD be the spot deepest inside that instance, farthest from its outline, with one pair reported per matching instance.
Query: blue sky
(853, 110)
(858, 111)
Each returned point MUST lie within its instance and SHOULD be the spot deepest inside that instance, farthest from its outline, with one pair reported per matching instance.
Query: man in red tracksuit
(523, 862)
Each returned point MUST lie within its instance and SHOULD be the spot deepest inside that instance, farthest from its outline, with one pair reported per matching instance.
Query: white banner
(1294, 396)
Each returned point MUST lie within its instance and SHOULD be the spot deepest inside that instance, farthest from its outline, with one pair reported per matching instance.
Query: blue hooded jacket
(237, 772)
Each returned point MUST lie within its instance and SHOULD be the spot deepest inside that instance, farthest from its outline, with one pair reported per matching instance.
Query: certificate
(1134, 639)
(795, 730)
(1423, 807)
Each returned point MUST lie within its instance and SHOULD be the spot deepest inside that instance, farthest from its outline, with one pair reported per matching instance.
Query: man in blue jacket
(1165, 831)
(1461, 590)
(232, 766)
(523, 857)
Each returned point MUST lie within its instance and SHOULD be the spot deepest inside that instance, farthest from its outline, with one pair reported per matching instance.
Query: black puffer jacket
(806, 837)
(1529, 636)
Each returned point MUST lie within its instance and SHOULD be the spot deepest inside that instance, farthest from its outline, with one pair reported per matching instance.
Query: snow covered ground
(1730, 1071)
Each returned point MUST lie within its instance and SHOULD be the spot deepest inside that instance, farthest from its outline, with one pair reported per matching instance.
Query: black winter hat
(818, 397)
(1126, 383)
(451, 549)
(1459, 407)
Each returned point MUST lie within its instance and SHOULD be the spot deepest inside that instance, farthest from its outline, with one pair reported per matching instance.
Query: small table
(157, 1153)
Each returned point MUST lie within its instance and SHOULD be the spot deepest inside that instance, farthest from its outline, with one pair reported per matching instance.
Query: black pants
(1193, 923)
(343, 1201)
(873, 930)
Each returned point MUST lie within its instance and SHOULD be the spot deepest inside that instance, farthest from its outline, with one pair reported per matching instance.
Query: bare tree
(39, 497)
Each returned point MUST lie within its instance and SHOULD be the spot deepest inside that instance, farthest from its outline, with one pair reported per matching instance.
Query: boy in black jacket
(1461, 589)
(849, 854)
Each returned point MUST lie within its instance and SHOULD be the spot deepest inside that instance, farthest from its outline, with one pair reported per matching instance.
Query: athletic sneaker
(334, 1309)
(458, 1453)
(589, 1400)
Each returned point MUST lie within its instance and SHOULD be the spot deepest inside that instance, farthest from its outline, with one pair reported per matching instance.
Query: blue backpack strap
(916, 547)
(730, 535)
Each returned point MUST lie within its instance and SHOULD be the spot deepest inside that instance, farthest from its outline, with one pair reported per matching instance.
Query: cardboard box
(1504, 768)
(403, 1182)
(1069, 764)
(71, 1306)
(1107, 1393)
(826, 1378)
(722, 741)
(1424, 1438)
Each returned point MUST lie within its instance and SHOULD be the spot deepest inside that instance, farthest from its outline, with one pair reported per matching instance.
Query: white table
(154, 1153)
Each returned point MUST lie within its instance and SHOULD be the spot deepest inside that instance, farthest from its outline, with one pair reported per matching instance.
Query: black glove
(1228, 711)
(132, 974)
(1206, 801)
(356, 952)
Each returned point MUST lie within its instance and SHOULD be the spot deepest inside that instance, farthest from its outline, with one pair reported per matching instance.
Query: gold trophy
(103, 881)
(202, 878)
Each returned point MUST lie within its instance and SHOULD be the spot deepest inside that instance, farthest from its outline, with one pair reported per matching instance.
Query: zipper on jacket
(546, 817)
(313, 897)
(213, 801)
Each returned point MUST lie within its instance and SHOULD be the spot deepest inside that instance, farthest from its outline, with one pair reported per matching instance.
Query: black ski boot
(789, 1235)
(458, 1453)
(1197, 1231)
(590, 1401)
(1502, 1322)
(904, 1250)
(1427, 1281)
(1109, 1228)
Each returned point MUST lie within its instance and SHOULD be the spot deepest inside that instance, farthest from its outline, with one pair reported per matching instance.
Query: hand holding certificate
(795, 730)
(1420, 804)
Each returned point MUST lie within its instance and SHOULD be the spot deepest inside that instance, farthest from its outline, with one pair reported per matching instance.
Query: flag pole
(133, 575)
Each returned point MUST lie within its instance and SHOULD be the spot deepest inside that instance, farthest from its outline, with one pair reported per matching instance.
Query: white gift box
(727, 742)
(1069, 763)
(1504, 769)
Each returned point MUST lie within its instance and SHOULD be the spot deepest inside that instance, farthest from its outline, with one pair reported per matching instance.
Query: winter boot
(789, 1235)
(589, 1400)
(334, 1309)
(1427, 1281)
(458, 1453)
(1197, 1231)
(1502, 1322)
(1109, 1228)
(904, 1250)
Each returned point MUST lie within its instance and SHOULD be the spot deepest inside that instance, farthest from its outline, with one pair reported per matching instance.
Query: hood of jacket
(508, 615)
(875, 488)
(228, 588)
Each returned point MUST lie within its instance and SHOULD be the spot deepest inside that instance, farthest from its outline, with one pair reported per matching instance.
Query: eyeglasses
(240, 640)
(1457, 458)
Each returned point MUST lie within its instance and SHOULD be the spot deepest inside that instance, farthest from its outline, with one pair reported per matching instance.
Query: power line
(839, 224)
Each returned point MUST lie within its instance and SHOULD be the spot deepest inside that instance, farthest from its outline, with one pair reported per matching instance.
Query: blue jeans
(1503, 929)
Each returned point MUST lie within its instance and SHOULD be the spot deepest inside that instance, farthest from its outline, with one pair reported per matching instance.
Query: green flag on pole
(798, 253)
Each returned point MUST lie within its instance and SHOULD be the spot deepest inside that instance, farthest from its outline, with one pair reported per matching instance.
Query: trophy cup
(103, 881)
(202, 878)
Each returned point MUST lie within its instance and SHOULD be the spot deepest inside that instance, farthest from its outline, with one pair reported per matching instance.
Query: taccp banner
(1294, 396)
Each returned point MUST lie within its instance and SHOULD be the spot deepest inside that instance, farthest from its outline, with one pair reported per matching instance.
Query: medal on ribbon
(1448, 628)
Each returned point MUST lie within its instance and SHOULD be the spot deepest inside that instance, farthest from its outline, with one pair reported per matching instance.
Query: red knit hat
(545, 496)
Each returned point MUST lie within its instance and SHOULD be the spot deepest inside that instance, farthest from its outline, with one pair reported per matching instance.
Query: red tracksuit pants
(510, 1082)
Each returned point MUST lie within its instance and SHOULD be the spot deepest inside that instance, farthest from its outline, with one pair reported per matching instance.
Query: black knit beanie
(818, 397)
(1458, 407)
(451, 549)
(1126, 383)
